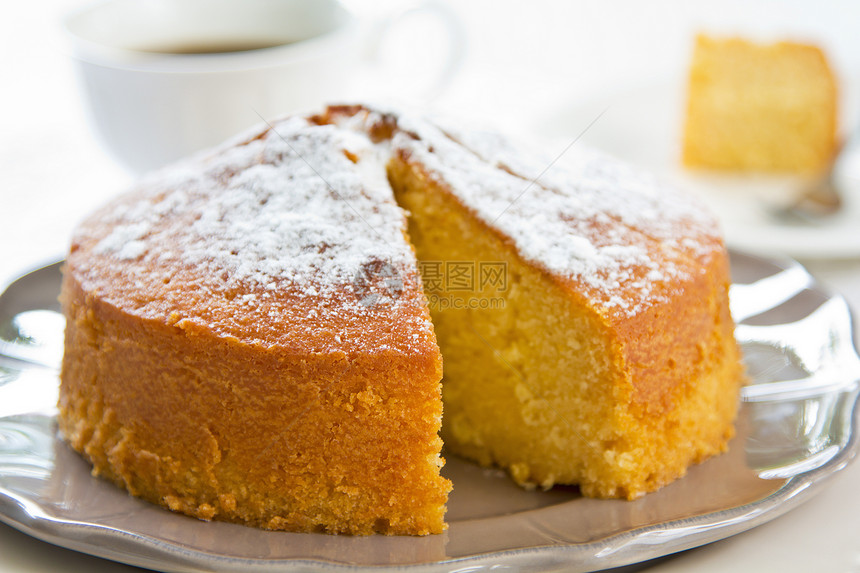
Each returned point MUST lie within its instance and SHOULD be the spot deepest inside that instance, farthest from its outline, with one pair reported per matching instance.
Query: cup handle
(456, 39)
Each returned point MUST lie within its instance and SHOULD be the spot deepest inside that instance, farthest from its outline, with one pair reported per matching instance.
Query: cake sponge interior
(538, 381)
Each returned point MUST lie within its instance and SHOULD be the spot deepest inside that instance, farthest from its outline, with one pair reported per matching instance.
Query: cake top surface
(289, 235)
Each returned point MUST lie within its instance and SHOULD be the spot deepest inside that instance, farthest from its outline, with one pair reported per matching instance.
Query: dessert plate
(798, 426)
(644, 125)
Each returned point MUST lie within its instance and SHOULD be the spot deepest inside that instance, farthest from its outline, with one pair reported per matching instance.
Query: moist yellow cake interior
(533, 381)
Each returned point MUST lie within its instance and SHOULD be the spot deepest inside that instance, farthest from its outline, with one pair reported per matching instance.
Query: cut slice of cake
(759, 107)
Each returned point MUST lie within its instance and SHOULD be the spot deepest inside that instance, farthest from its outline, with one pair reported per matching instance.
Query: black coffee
(214, 46)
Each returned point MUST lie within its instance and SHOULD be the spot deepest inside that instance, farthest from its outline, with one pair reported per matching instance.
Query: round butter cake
(256, 334)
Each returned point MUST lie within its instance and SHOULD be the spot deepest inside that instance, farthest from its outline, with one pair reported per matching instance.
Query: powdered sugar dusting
(614, 229)
(593, 182)
(581, 224)
(291, 209)
(309, 207)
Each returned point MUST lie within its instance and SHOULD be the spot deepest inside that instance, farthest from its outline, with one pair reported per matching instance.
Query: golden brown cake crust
(218, 429)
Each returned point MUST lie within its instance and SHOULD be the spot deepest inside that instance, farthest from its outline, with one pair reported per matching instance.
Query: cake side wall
(686, 372)
(221, 430)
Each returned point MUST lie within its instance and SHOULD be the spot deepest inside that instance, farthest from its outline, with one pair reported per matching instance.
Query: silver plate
(797, 427)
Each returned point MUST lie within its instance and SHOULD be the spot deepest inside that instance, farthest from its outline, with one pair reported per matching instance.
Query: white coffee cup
(165, 78)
